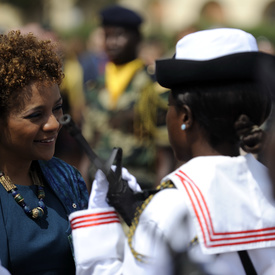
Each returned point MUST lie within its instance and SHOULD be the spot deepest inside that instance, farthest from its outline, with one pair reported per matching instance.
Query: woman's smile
(32, 131)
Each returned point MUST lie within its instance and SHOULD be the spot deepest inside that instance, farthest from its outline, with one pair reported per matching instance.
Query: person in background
(72, 92)
(268, 154)
(93, 59)
(126, 111)
(217, 207)
(151, 49)
(37, 190)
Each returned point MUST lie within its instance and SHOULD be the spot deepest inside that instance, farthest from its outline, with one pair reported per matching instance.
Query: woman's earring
(183, 127)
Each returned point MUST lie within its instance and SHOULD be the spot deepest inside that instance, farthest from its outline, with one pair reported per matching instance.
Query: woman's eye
(33, 115)
(57, 108)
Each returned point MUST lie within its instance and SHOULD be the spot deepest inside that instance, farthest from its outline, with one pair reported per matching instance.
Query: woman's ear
(187, 116)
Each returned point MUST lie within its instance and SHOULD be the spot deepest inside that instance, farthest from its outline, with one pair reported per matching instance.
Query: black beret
(119, 16)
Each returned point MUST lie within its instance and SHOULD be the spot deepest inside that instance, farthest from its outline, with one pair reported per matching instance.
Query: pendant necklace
(36, 212)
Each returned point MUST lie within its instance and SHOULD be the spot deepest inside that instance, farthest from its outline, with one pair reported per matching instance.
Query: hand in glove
(125, 195)
(120, 195)
(99, 191)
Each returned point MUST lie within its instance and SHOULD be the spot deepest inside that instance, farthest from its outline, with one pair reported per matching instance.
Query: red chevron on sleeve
(95, 219)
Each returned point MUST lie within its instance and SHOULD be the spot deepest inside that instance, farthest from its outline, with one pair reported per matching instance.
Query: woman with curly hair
(217, 208)
(37, 190)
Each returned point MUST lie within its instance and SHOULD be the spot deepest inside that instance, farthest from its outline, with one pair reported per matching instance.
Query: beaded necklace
(36, 212)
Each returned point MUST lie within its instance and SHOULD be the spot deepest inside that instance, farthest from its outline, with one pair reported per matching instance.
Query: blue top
(41, 246)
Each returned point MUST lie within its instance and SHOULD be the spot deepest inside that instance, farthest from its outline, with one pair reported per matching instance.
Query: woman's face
(30, 132)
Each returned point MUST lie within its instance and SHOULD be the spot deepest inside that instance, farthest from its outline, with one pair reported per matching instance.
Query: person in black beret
(124, 109)
(122, 34)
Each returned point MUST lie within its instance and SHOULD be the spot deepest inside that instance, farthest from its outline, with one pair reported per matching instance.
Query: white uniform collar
(229, 200)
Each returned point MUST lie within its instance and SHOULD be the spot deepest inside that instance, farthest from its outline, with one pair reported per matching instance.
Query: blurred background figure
(93, 60)
(266, 155)
(39, 31)
(270, 155)
(152, 49)
(126, 110)
(72, 91)
(265, 45)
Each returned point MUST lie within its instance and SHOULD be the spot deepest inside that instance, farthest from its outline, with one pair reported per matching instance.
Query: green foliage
(82, 32)
(25, 4)
(266, 29)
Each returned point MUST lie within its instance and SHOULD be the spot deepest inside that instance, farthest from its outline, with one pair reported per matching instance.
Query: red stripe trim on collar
(205, 221)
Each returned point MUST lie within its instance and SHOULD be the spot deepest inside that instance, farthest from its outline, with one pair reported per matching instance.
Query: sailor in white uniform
(217, 208)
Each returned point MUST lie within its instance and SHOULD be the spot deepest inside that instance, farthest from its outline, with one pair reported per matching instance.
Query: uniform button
(74, 205)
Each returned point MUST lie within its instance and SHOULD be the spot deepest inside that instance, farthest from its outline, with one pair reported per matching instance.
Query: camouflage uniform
(136, 124)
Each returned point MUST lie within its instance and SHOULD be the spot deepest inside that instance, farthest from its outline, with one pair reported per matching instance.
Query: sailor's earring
(183, 127)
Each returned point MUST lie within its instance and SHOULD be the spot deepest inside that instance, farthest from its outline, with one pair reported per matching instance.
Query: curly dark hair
(23, 60)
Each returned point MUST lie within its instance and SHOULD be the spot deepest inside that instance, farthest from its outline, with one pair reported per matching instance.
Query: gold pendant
(37, 212)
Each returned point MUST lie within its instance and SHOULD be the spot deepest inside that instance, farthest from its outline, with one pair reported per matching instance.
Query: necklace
(36, 212)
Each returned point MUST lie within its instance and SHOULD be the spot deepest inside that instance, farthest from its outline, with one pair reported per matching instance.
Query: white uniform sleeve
(3, 270)
(98, 241)
(162, 231)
